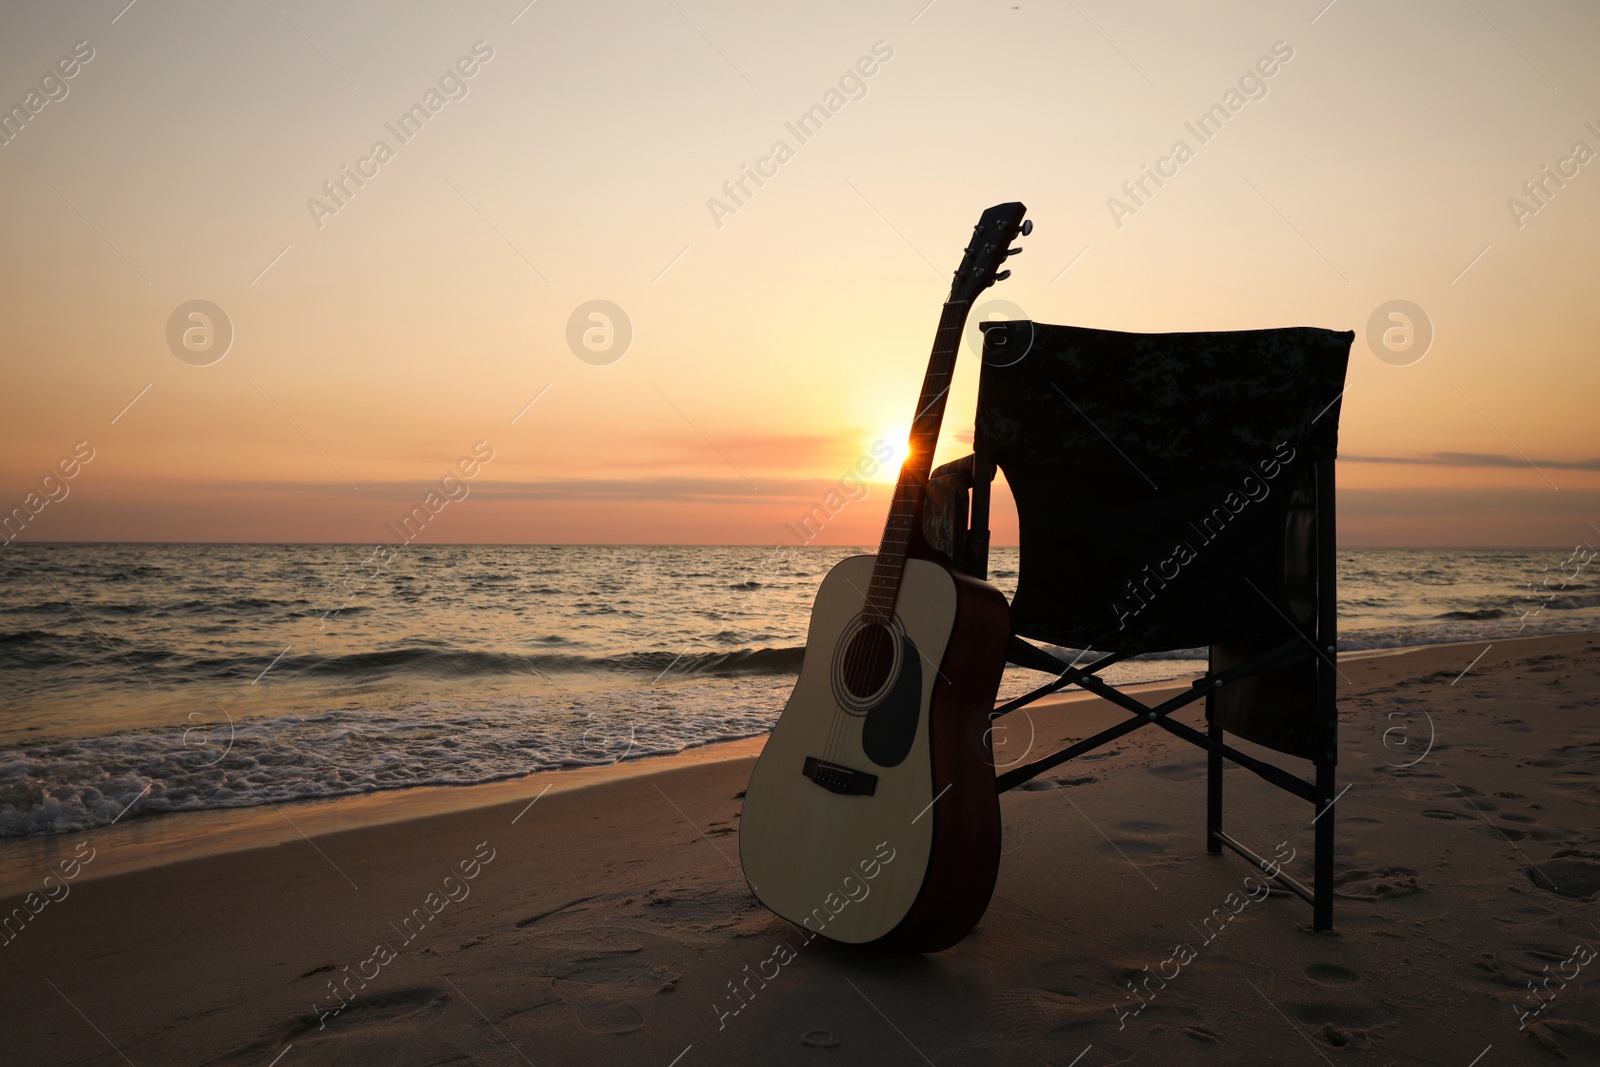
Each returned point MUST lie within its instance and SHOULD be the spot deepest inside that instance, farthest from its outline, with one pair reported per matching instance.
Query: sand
(609, 923)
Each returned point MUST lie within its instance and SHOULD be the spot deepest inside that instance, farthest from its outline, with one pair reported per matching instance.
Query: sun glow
(898, 441)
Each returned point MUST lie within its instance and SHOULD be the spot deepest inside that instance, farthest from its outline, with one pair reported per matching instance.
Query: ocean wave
(549, 624)
(78, 784)
(445, 662)
(1563, 602)
(1176, 653)
(423, 658)
(27, 637)
(1441, 634)
(743, 661)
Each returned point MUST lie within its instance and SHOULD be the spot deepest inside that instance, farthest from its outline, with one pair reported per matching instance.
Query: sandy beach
(512, 512)
(602, 917)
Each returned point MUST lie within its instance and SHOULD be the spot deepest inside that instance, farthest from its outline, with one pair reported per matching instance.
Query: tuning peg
(1027, 227)
(1013, 252)
(1002, 276)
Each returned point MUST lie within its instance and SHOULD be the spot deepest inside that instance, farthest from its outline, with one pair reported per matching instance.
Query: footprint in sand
(374, 1018)
(1369, 885)
(1342, 1017)
(1496, 832)
(1332, 974)
(1501, 832)
(1187, 771)
(597, 974)
(1080, 780)
(597, 1012)
(1566, 1036)
(1517, 911)
(1571, 876)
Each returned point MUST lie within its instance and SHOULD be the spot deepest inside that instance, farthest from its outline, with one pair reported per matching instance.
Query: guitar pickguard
(891, 725)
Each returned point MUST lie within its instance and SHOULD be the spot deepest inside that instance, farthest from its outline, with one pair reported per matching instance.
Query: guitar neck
(913, 480)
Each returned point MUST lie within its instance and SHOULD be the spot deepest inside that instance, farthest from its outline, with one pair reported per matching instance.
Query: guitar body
(872, 816)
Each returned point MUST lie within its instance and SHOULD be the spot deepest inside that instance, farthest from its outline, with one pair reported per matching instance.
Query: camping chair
(1173, 491)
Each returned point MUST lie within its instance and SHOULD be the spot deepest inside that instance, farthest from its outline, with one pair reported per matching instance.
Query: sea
(138, 680)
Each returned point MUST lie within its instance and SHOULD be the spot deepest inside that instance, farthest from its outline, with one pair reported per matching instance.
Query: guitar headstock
(990, 245)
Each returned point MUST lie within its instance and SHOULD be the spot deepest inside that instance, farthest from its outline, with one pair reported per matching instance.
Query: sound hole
(868, 659)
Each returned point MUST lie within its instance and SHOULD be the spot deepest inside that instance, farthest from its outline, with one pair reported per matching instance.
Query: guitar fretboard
(912, 483)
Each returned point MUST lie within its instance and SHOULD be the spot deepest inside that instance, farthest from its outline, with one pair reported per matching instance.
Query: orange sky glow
(383, 329)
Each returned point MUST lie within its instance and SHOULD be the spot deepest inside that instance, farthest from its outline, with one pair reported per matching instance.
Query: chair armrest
(946, 509)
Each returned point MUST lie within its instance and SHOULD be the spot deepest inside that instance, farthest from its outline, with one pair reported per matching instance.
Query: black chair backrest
(1158, 477)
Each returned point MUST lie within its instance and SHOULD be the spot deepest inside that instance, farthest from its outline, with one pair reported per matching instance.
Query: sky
(392, 333)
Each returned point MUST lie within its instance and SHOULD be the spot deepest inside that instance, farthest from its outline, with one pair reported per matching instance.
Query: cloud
(1569, 504)
(731, 489)
(1477, 459)
(681, 447)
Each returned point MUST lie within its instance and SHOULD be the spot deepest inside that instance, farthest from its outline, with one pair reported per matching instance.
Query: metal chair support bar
(1276, 775)
(1144, 714)
(1034, 658)
(1050, 687)
(1276, 874)
(1142, 717)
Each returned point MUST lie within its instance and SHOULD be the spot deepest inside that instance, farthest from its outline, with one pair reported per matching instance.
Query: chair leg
(1322, 875)
(1213, 792)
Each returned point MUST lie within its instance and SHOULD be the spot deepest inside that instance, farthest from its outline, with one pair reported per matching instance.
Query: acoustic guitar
(872, 815)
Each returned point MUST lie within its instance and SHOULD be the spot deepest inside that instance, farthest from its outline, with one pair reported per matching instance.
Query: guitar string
(875, 635)
(863, 653)
(863, 658)
(850, 670)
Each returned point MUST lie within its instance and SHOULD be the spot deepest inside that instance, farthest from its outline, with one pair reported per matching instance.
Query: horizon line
(659, 544)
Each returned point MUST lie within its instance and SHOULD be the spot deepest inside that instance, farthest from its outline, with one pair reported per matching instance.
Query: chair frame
(978, 471)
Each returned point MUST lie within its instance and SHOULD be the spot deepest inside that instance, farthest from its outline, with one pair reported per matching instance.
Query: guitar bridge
(840, 779)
